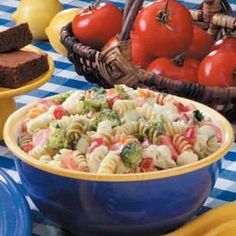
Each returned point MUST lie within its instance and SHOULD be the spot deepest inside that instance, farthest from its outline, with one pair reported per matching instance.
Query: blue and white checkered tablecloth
(65, 78)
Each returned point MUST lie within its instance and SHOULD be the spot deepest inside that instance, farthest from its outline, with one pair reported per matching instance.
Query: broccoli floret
(110, 115)
(62, 97)
(157, 125)
(106, 114)
(120, 90)
(99, 93)
(95, 105)
(131, 154)
(198, 116)
(57, 141)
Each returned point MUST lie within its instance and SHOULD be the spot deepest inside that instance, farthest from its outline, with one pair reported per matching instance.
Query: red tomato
(28, 147)
(183, 108)
(59, 112)
(218, 69)
(166, 140)
(111, 100)
(224, 43)
(95, 26)
(147, 164)
(201, 43)
(186, 72)
(164, 34)
(139, 56)
(95, 143)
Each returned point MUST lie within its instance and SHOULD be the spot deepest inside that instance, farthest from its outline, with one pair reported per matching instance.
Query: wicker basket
(114, 66)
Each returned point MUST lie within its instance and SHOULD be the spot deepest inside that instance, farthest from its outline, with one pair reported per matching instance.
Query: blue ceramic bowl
(129, 204)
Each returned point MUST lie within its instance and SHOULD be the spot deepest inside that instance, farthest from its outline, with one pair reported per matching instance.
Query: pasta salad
(117, 130)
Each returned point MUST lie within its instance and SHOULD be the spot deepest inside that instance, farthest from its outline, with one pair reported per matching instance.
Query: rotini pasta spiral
(40, 122)
(75, 130)
(104, 131)
(24, 139)
(109, 164)
(73, 104)
(145, 93)
(146, 111)
(127, 128)
(37, 152)
(83, 143)
(163, 98)
(121, 106)
(181, 143)
(173, 128)
(36, 111)
(95, 158)
(151, 130)
(45, 158)
(81, 161)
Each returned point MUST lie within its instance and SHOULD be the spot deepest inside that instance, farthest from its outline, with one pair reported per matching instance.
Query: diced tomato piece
(190, 134)
(147, 164)
(111, 100)
(166, 140)
(59, 112)
(95, 144)
(69, 163)
(28, 147)
(185, 118)
(184, 108)
(217, 130)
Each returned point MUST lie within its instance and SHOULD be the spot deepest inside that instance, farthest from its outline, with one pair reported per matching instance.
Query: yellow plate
(7, 103)
(220, 221)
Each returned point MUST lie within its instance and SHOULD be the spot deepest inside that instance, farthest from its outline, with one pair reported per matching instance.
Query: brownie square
(20, 67)
(15, 38)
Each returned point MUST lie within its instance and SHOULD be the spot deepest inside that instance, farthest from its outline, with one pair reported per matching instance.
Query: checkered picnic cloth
(65, 78)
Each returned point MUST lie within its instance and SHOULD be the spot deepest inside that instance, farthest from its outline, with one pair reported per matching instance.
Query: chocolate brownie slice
(19, 67)
(15, 38)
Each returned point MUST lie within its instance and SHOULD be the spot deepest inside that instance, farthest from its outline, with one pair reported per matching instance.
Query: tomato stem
(163, 15)
(179, 60)
(94, 5)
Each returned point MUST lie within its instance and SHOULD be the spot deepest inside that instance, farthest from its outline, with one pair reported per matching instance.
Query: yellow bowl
(7, 95)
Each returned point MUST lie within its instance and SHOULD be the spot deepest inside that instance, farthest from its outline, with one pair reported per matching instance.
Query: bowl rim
(10, 140)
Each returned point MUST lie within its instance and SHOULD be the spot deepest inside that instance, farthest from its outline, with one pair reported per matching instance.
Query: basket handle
(131, 10)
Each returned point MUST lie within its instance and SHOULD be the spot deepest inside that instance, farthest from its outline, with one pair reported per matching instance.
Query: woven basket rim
(76, 42)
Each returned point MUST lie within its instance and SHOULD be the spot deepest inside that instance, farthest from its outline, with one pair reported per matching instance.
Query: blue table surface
(65, 78)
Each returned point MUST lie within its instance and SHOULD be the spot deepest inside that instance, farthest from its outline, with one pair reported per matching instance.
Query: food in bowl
(116, 131)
